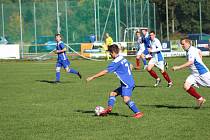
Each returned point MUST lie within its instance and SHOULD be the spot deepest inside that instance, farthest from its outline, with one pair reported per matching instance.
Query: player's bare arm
(200, 54)
(187, 64)
(97, 75)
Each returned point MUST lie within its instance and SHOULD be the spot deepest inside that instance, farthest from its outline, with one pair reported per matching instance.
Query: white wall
(9, 51)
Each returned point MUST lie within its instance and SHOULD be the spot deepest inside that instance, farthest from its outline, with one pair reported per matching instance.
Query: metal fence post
(200, 19)
(21, 30)
(2, 9)
(35, 35)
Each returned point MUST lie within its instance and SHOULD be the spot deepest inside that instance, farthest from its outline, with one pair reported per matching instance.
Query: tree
(14, 28)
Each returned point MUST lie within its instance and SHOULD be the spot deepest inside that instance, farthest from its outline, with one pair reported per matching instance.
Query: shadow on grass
(144, 86)
(141, 70)
(53, 82)
(173, 106)
(93, 113)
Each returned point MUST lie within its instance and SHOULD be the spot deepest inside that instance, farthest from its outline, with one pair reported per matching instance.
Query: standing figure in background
(108, 42)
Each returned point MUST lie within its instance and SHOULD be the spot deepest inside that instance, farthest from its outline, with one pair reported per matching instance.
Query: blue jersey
(61, 56)
(121, 67)
(146, 41)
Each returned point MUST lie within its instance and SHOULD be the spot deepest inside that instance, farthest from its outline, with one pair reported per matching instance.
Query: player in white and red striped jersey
(200, 74)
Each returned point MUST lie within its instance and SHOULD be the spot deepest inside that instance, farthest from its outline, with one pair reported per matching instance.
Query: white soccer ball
(98, 110)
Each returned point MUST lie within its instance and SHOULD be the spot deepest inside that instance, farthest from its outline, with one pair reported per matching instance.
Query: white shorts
(158, 64)
(141, 49)
(148, 56)
(203, 80)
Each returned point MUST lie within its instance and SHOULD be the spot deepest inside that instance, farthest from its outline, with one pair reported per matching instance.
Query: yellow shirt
(108, 41)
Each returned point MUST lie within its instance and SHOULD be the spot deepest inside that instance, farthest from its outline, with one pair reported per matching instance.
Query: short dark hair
(138, 32)
(186, 39)
(113, 48)
(152, 32)
(58, 34)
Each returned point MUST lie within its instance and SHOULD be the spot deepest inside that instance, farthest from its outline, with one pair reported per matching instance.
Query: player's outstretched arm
(187, 64)
(103, 72)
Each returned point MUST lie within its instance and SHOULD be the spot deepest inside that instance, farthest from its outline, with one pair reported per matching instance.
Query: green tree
(13, 27)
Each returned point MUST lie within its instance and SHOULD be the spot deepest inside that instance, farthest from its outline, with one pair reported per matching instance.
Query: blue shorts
(146, 52)
(63, 63)
(123, 91)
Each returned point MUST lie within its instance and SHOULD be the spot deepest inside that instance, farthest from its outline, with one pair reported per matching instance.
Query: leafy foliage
(81, 17)
(186, 14)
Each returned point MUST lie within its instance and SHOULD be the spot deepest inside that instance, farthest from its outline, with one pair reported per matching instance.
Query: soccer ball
(98, 110)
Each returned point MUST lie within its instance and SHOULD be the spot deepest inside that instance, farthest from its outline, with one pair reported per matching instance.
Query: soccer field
(33, 108)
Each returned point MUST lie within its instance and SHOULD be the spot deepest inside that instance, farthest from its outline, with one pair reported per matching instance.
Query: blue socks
(132, 106)
(70, 71)
(73, 71)
(144, 61)
(58, 76)
(111, 101)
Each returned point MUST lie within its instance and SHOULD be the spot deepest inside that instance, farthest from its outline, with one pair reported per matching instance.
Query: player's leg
(151, 64)
(160, 66)
(130, 104)
(111, 101)
(137, 62)
(107, 55)
(168, 79)
(58, 69)
(71, 70)
(66, 65)
(126, 94)
(188, 86)
(144, 60)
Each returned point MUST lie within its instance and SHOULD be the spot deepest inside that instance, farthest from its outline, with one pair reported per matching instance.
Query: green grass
(32, 109)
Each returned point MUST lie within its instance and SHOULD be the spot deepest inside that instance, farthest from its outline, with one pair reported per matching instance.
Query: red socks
(153, 74)
(193, 93)
(165, 75)
(137, 63)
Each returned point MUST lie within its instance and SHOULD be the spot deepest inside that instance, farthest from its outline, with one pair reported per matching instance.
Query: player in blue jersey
(157, 60)
(144, 43)
(62, 60)
(121, 67)
(200, 74)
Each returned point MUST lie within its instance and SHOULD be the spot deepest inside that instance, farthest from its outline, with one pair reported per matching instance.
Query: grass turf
(32, 108)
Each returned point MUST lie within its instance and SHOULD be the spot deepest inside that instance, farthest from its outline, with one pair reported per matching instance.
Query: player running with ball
(62, 60)
(121, 67)
(200, 74)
